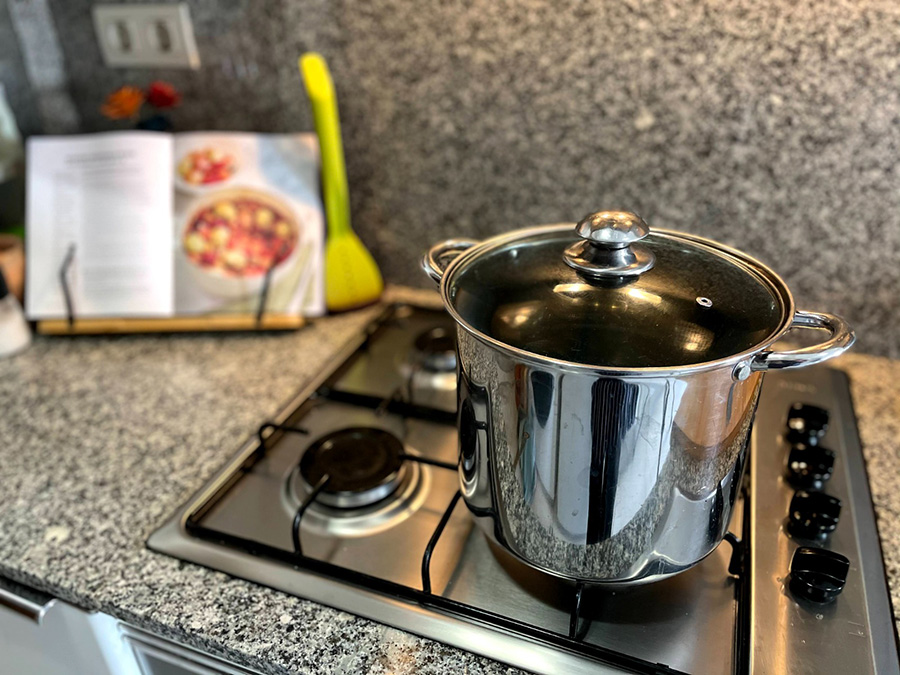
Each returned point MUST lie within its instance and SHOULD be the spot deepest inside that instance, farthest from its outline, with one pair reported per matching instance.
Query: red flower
(162, 95)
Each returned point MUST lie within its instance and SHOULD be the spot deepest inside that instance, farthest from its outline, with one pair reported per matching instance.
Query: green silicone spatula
(352, 278)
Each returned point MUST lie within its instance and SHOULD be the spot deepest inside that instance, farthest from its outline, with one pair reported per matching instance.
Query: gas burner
(363, 465)
(435, 350)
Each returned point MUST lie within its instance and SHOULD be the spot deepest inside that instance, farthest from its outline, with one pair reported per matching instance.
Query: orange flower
(122, 103)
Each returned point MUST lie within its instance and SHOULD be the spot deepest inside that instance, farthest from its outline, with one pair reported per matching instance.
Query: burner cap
(436, 349)
(364, 465)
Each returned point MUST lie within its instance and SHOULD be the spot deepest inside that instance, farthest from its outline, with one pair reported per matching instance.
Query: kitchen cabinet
(157, 656)
(42, 634)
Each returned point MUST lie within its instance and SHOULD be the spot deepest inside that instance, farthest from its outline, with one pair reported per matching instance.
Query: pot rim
(768, 275)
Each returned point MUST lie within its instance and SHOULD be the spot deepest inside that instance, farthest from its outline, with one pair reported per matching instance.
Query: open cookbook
(145, 224)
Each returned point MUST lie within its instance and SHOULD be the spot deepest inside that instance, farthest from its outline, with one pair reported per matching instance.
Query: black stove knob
(813, 515)
(806, 423)
(809, 466)
(817, 574)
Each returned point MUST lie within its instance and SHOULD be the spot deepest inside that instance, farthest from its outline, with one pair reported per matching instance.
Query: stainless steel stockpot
(608, 378)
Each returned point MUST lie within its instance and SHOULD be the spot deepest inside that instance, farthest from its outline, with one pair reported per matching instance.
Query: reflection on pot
(598, 478)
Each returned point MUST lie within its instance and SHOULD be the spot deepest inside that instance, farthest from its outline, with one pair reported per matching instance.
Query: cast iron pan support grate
(429, 550)
(577, 629)
(738, 554)
(577, 624)
(263, 437)
(295, 524)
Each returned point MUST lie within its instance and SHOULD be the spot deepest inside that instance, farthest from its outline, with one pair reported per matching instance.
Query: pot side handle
(439, 256)
(841, 339)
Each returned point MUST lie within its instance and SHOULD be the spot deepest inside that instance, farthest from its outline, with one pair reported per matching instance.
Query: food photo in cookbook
(246, 205)
(206, 166)
(234, 237)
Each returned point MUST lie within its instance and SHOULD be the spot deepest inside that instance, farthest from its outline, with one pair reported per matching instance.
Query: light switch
(149, 36)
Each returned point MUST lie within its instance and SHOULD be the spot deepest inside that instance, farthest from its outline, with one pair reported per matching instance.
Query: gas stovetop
(349, 497)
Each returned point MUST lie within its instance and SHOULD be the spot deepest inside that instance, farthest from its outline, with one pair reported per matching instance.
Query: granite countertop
(101, 439)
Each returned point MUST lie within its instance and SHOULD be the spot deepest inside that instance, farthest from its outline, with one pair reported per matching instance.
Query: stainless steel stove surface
(349, 497)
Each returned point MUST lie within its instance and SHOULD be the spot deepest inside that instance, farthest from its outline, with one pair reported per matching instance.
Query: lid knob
(609, 245)
(613, 228)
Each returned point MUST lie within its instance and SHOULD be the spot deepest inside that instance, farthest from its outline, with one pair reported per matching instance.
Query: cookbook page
(247, 205)
(107, 198)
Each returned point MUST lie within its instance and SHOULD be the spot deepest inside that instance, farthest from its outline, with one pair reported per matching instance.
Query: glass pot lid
(610, 293)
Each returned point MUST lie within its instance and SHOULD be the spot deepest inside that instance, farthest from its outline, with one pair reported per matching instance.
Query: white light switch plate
(146, 35)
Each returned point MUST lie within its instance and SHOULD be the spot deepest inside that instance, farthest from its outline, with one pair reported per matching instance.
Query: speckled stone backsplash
(771, 125)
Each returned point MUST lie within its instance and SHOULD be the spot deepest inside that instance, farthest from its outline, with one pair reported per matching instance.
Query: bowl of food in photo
(233, 237)
(210, 165)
